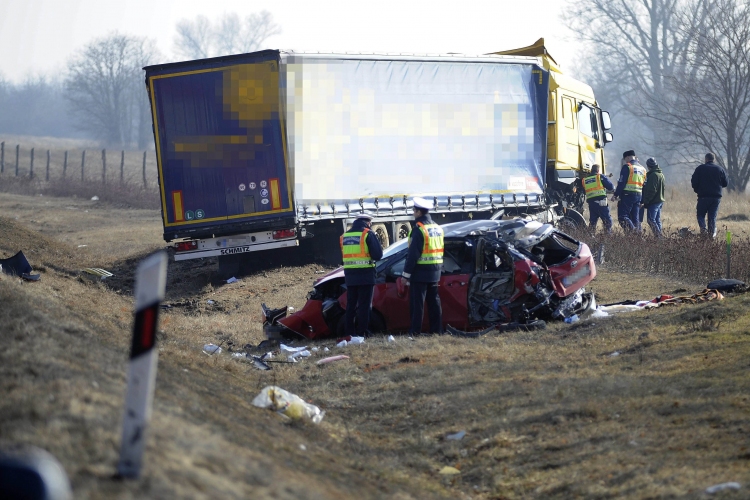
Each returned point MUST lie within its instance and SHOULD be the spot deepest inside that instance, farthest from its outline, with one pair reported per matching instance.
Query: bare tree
(201, 38)
(710, 105)
(104, 87)
(194, 38)
(641, 40)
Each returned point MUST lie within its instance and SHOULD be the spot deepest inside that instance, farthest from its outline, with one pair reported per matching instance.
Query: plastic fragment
(449, 471)
(599, 313)
(299, 354)
(211, 349)
(357, 340)
(210, 302)
(723, 486)
(571, 319)
(232, 280)
(331, 359)
(325, 349)
(285, 349)
(614, 354)
(391, 338)
(456, 437)
(343, 343)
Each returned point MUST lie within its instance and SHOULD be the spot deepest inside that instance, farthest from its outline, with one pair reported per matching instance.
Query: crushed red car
(495, 272)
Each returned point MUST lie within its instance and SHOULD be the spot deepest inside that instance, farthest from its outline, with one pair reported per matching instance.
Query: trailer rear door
(220, 143)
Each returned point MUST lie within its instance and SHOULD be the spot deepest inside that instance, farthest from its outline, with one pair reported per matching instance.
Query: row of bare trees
(104, 82)
(678, 72)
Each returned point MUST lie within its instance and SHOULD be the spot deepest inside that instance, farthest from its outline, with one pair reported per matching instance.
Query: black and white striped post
(150, 283)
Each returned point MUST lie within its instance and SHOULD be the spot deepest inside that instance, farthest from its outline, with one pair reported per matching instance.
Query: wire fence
(120, 176)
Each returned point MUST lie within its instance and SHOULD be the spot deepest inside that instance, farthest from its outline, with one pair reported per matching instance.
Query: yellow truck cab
(577, 130)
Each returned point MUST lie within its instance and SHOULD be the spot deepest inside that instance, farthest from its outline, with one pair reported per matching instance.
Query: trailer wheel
(402, 231)
(382, 233)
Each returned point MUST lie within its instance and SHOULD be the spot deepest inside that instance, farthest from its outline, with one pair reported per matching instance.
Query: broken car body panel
(494, 272)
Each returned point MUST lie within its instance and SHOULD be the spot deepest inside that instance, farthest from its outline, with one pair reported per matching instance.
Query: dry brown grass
(548, 414)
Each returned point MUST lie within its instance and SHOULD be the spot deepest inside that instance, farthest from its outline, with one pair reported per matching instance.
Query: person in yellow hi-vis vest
(424, 263)
(596, 186)
(360, 249)
(628, 191)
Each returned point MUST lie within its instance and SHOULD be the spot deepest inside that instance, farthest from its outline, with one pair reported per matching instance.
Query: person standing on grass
(596, 186)
(708, 181)
(424, 261)
(629, 188)
(360, 248)
(653, 196)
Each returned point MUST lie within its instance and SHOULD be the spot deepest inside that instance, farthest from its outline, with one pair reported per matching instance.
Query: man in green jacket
(653, 196)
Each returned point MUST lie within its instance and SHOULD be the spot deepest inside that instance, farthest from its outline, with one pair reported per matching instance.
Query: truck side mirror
(608, 137)
(606, 121)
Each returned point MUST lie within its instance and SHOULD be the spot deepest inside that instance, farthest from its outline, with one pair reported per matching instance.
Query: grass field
(550, 414)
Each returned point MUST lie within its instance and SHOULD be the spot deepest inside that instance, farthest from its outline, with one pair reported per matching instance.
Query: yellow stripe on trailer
(275, 194)
(179, 216)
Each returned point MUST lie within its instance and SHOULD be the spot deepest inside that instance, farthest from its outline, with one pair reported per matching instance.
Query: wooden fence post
(122, 165)
(2, 157)
(31, 165)
(65, 164)
(17, 147)
(144, 170)
(46, 177)
(104, 166)
(83, 162)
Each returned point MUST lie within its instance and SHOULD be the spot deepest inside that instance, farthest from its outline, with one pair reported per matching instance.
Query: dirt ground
(642, 405)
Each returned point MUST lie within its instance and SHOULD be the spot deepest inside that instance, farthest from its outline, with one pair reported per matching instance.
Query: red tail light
(284, 233)
(184, 246)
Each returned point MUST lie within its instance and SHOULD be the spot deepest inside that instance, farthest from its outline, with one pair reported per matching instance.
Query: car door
(392, 300)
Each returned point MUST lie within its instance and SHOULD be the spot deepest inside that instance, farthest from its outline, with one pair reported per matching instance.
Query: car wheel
(382, 233)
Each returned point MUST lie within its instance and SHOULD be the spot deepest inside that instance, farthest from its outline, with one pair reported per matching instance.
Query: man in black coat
(708, 181)
(360, 249)
(424, 263)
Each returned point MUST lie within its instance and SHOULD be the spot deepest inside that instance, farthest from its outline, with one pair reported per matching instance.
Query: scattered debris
(343, 343)
(287, 404)
(18, 266)
(81, 246)
(232, 280)
(456, 437)
(614, 354)
(211, 349)
(449, 471)
(728, 286)
(723, 486)
(391, 338)
(96, 273)
(210, 302)
(571, 319)
(331, 359)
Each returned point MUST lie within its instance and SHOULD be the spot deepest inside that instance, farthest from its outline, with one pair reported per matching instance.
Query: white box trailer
(257, 151)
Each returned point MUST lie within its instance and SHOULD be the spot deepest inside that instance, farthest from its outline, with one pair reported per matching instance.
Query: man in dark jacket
(708, 181)
(424, 262)
(629, 188)
(653, 196)
(360, 249)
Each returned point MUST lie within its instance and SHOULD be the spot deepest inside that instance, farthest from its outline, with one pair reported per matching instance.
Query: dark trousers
(597, 212)
(417, 294)
(628, 211)
(708, 207)
(358, 304)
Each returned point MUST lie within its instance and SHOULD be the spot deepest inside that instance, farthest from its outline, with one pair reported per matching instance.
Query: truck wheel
(382, 233)
(402, 231)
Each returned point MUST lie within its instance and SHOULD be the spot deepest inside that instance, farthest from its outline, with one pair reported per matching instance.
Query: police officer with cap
(629, 189)
(360, 249)
(424, 262)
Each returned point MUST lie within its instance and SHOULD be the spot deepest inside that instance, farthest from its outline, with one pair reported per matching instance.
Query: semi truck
(276, 149)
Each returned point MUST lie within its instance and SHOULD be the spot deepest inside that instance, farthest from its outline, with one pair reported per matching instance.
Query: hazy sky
(38, 36)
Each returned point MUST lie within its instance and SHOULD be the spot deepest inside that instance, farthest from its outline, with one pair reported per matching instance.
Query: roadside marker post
(150, 283)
